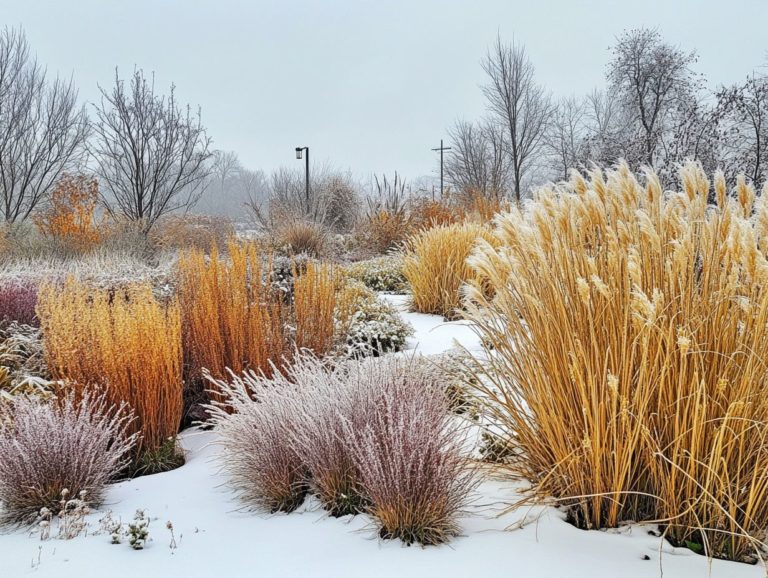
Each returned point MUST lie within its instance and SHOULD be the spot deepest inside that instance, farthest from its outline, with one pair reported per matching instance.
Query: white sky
(369, 85)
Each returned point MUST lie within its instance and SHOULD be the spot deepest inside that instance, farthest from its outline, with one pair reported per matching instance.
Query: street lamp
(299, 151)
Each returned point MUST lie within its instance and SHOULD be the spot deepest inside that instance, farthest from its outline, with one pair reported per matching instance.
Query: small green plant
(167, 457)
(138, 530)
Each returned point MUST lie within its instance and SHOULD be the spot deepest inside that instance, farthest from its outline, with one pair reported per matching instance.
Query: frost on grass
(374, 436)
(47, 448)
(255, 422)
(408, 450)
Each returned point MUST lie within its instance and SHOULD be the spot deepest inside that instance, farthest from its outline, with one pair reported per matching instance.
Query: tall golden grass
(122, 341)
(627, 341)
(231, 317)
(435, 265)
(314, 301)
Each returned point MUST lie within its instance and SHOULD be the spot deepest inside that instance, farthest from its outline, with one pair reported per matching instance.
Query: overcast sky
(370, 86)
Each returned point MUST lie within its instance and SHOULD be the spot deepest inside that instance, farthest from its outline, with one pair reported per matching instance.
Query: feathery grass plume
(408, 449)
(435, 265)
(314, 300)
(626, 341)
(231, 318)
(122, 341)
(47, 448)
(255, 418)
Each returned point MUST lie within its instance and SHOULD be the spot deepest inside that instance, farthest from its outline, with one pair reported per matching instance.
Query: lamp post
(299, 151)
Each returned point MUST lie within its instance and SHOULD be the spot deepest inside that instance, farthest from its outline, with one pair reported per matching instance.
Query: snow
(217, 539)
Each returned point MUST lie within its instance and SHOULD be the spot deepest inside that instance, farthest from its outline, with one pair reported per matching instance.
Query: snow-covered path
(215, 540)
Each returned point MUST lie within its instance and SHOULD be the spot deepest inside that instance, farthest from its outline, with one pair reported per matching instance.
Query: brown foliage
(70, 217)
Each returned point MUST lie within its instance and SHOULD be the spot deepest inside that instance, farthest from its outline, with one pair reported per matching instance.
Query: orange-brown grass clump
(314, 301)
(427, 213)
(627, 339)
(125, 343)
(70, 217)
(231, 317)
(435, 265)
(383, 230)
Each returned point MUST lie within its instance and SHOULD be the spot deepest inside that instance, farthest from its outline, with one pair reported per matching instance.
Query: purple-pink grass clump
(409, 450)
(64, 444)
(321, 405)
(18, 300)
(374, 436)
(255, 422)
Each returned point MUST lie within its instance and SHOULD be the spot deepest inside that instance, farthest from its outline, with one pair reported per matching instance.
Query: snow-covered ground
(217, 540)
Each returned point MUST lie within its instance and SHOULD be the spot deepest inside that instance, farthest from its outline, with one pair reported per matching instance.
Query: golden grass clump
(314, 301)
(231, 317)
(435, 266)
(296, 237)
(123, 342)
(627, 340)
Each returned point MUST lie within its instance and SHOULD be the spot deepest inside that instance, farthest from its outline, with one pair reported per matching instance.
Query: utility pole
(441, 149)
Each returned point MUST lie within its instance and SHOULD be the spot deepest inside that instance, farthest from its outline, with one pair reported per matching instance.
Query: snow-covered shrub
(256, 419)
(281, 274)
(366, 325)
(46, 448)
(409, 450)
(383, 274)
(18, 299)
(456, 373)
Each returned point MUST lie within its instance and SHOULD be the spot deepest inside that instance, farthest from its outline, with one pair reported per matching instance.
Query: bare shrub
(187, 232)
(47, 448)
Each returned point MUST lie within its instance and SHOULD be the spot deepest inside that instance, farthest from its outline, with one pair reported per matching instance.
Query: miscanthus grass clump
(435, 266)
(60, 447)
(626, 342)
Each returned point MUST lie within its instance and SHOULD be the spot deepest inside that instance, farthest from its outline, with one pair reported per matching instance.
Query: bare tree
(567, 135)
(151, 155)
(651, 80)
(478, 160)
(42, 129)
(743, 109)
(520, 105)
(225, 165)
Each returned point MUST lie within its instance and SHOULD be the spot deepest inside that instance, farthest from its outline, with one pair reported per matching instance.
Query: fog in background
(369, 86)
